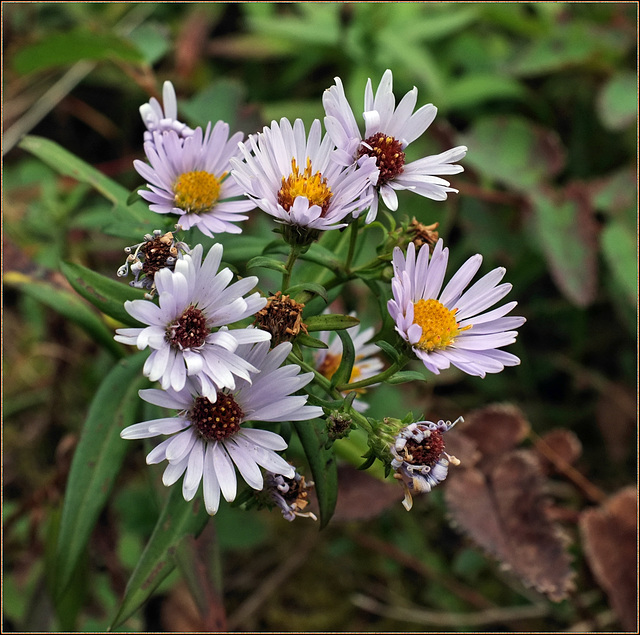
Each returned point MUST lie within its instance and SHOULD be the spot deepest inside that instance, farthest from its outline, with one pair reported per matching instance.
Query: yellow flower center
(439, 325)
(196, 192)
(312, 186)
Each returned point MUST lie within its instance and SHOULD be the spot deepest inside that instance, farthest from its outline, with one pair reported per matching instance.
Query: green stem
(376, 379)
(293, 256)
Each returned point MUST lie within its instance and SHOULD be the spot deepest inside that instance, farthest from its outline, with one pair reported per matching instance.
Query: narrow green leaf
(97, 461)
(343, 372)
(308, 287)
(177, 520)
(69, 306)
(388, 349)
(330, 322)
(62, 49)
(619, 247)
(306, 340)
(266, 263)
(322, 461)
(105, 294)
(404, 376)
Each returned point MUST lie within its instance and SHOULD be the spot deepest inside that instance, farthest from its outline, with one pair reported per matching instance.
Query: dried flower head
(291, 495)
(282, 317)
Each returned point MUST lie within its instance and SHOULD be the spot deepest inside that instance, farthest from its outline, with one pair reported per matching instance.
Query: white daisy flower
(188, 177)
(195, 298)
(388, 132)
(157, 119)
(447, 326)
(419, 457)
(366, 363)
(207, 437)
(292, 177)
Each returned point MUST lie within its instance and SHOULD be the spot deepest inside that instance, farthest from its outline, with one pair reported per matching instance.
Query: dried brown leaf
(610, 535)
(501, 506)
(556, 448)
(496, 428)
(361, 496)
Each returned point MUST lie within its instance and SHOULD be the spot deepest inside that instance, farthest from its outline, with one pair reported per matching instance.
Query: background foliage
(545, 97)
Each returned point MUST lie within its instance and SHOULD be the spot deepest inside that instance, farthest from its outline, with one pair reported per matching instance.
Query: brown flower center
(388, 154)
(156, 253)
(189, 331)
(216, 421)
(427, 452)
(282, 317)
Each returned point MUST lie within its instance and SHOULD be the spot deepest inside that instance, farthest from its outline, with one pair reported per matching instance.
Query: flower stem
(353, 237)
(286, 277)
(376, 379)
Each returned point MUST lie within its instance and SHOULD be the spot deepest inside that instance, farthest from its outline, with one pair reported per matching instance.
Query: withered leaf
(609, 534)
(557, 447)
(496, 428)
(501, 506)
(361, 496)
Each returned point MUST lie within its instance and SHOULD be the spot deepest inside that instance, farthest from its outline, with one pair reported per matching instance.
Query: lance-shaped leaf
(322, 461)
(97, 461)
(300, 292)
(105, 294)
(266, 263)
(312, 342)
(330, 322)
(177, 520)
(405, 376)
(343, 372)
(68, 305)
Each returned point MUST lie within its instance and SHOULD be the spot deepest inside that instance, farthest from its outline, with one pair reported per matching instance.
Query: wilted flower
(195, 298)
(292, 177)
(208, 437)
(158, 120)
(388, 132)
(189, 177)
(419, 457)
(290, 494)
(282, 317)
(447, 326)
(157, 251)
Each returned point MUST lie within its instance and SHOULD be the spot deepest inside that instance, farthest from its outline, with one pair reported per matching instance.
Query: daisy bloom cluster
(388, 130)
(207, 439)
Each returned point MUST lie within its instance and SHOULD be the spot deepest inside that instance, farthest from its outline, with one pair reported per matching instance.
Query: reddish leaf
(563, 444)
(501, 506)
(496, 428)
(610, 535)
(361, 496)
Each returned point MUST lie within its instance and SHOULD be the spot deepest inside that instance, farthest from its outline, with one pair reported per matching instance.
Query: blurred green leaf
(471, 90)
(68, 305)
(220, 101)
(344, 370)
(619, 247)
(105, 294)
(617, 101)
(514, 151)
(566, 232)
(97, 461)
(330, 322)
(314, 438)
(62, 49)
(152, 40)
(427, 27)
(177, 520)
